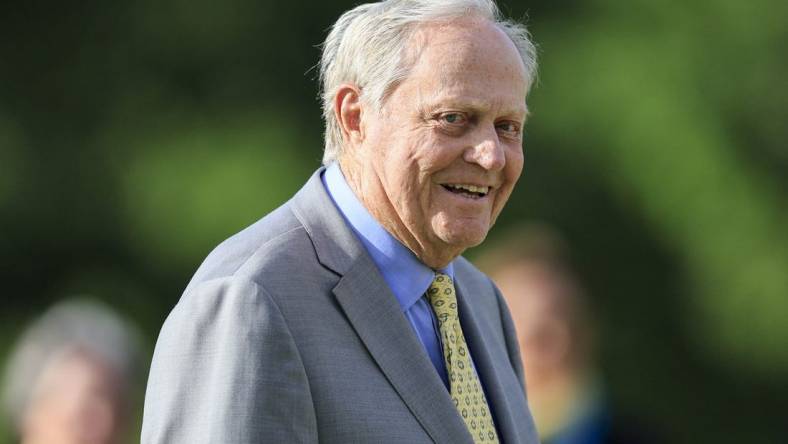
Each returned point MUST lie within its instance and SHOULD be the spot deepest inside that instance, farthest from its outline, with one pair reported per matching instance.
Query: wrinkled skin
(456, 119)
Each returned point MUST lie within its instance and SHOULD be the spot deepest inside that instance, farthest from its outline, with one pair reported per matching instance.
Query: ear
(348, 110)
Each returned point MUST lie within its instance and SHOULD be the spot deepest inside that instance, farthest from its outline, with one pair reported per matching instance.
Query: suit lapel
(494, 379)
(376, 316)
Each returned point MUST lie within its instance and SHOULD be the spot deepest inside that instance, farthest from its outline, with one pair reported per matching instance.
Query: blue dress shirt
(407, 277)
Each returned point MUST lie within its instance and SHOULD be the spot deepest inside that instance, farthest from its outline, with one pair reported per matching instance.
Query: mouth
(466, 190)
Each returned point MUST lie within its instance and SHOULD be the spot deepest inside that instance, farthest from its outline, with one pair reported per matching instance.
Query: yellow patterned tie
(465, 388)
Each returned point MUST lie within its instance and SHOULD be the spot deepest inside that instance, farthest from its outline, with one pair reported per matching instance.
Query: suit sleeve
(226, 370)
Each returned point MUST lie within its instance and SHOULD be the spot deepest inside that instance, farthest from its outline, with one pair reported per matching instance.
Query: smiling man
(348, 315)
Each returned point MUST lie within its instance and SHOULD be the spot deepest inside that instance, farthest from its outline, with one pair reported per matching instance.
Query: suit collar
(336, 246)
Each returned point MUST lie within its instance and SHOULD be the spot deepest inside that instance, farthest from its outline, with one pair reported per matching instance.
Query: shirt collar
(407, 277)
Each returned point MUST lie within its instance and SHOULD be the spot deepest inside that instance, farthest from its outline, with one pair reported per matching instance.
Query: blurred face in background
(76, 401)
(438, 162)
(553, 340)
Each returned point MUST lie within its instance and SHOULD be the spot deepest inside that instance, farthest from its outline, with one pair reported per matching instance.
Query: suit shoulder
(276, 234)
(478, 286)
(467, 271)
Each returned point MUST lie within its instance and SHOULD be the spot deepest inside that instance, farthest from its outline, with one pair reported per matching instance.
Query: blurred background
(135, 136)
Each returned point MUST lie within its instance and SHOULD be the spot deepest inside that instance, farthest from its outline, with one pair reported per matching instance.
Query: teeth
(471, 188)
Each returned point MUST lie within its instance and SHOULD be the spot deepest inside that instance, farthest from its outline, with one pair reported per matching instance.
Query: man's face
(444, 153)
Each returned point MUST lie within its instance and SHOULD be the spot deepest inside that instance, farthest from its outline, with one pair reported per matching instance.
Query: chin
(464, 237)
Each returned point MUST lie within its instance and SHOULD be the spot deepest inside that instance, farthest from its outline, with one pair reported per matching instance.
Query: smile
(471, 191)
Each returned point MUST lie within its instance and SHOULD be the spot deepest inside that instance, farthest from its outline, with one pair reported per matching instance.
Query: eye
(453, 118)
(509, 128)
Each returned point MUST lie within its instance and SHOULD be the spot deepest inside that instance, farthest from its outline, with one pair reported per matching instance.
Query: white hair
(367, 47)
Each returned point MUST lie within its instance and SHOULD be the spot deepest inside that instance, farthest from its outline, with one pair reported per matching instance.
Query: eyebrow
(477, 107)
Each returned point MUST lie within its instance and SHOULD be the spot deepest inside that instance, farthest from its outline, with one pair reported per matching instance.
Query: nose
(486, 151)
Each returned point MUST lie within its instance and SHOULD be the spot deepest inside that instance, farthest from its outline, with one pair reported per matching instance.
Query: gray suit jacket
(289, 334)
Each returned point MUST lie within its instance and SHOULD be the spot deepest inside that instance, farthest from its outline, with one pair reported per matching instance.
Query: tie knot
(442, 298)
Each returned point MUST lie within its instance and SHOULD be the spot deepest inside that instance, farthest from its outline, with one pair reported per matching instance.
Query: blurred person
(347, 315)
(70, 378)
(556, 334)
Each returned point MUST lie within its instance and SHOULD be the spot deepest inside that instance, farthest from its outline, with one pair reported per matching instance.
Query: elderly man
(347, 315)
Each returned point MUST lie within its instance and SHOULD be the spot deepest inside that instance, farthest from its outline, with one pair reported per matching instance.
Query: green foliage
(645, 114)
(190, 186)
(11, 159)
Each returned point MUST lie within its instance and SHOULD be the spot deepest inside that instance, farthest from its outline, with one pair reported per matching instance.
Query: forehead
(470, 60)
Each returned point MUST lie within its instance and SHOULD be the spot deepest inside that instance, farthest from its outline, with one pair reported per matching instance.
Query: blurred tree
(636, 101)
(223, 172)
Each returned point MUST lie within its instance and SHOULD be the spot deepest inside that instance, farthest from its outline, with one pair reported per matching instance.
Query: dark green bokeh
(134, 136)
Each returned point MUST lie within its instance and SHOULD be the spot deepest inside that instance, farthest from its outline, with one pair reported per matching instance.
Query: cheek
(514, 165)
(404, 180)
(512, 171)
(420, 163)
